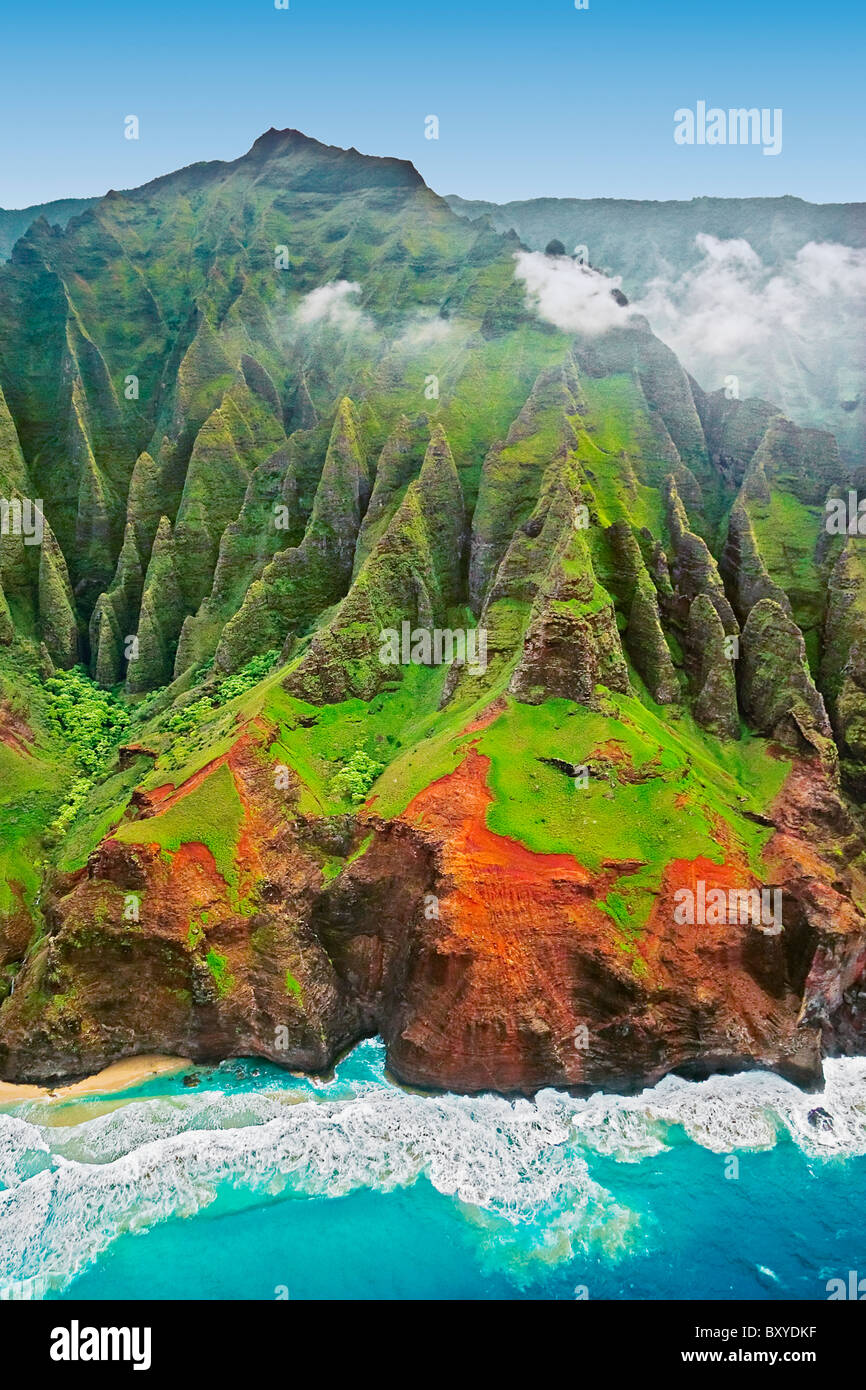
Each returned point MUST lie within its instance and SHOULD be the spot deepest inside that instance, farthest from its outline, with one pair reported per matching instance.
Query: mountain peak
(273, 138)
(359, 169)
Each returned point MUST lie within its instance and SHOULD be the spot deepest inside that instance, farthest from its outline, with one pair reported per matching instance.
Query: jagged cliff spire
(299, 583)
(58, 625)
(160, 619)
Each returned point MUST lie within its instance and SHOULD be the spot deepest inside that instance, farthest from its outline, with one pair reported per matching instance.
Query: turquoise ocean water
(257, 1184)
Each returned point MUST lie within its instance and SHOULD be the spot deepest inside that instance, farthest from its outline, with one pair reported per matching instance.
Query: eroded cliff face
(519, 978)
(482, 963)
(204, 961)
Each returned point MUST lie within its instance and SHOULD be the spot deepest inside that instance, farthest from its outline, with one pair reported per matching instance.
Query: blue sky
(534, 98)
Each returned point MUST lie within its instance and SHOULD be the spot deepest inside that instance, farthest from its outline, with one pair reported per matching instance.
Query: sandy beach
(118, 1077)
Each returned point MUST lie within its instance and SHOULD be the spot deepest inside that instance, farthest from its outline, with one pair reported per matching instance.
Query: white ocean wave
(518, 1168)
(504, 1161)
(748, 1111)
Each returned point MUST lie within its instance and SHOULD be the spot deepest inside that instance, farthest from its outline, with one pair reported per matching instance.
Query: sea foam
(517, 1168)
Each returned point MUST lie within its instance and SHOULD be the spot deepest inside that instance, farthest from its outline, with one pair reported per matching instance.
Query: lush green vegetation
(92, 721)
(356, 777)
(219, 967)
(28, 796)
(191, 722)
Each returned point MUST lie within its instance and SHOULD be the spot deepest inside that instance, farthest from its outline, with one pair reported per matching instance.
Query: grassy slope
(28, 797)
(210, 815)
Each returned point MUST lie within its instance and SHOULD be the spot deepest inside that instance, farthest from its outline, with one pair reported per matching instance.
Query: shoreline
(118, 1076)
(129, 1072)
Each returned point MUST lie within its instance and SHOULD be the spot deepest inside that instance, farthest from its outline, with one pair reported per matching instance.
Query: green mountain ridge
(277, 407)
(14, 222)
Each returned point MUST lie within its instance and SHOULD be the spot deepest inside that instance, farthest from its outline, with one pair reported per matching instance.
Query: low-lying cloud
(422, 332)
(569, 295)
(332, 304)
(731, 315)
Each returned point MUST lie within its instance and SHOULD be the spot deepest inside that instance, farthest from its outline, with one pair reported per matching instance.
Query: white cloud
(423, 332)
(331, 304)
(569, 295)
(781, 332)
